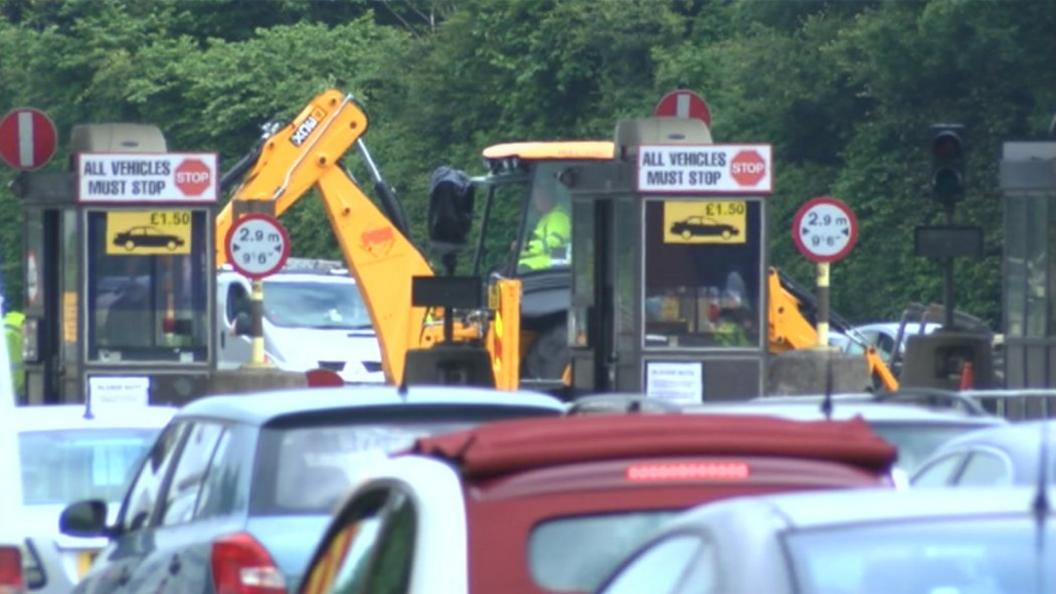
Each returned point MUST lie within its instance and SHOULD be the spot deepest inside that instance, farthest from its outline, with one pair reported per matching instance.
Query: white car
(62, 454)
(919, 541)
(885, 337)
(314, 317)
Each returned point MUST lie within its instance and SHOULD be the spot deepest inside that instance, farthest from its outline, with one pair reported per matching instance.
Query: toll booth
(119, 288)
(1028, 182)
(669, 265)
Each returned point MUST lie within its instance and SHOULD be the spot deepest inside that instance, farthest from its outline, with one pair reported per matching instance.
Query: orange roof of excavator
(540, 151)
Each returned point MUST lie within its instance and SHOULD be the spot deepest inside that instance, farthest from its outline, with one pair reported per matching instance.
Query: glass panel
(917, 441)
(545, 244)
(143, 496)
(981, 554)
(659, 569)
(324, 457)
(148, 301)
(985, 470)
(1037, 266)
(59, 467)
(574, 554)
(938, 473)
(504, 219)
(1015, 266)
(191, 470)
(344, 566)
(320, 305)
(702, 273)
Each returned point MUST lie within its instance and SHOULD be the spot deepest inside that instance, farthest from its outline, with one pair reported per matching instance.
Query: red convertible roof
(509, 446)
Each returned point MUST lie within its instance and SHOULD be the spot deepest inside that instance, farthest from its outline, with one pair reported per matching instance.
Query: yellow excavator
(523, 325)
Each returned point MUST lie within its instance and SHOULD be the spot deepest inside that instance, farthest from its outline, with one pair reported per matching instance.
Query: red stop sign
(747, 168)
(193, 177)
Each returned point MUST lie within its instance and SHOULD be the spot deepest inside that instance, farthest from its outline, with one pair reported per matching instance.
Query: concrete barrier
(240, 381)
(804, 371)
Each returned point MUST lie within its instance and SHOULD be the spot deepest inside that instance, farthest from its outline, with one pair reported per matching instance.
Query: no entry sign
(257, 245)
(683, 104)
(27, 138)
(824, 229)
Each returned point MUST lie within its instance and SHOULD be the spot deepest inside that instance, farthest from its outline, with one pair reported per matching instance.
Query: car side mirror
(243, 324)
(84, 518)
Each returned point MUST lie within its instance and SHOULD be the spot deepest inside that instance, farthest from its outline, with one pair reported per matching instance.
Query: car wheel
(130, 245)
(726, 234)
(686, 234)
(171, 245)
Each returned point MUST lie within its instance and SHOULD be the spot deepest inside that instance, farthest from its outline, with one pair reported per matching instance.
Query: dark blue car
(236, 490)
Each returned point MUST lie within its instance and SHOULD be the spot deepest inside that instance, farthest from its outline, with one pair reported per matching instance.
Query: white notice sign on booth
(682, 383)
(119, 390)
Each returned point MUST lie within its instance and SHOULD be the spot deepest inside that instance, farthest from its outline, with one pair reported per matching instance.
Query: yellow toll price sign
(705, 221)
(148, 232)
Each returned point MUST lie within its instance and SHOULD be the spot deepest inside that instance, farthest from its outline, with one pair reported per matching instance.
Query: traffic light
(947, 159)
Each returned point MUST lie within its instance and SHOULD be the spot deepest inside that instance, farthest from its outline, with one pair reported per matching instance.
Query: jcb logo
(304, 131)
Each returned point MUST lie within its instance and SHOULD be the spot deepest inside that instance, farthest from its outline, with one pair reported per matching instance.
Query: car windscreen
(322, 305)
(63, 466)
(575, 553)
(916, 441)
(992, 555)
(305, 464)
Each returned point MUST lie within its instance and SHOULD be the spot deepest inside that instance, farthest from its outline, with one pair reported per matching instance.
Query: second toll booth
(669, 265)
(118, 271)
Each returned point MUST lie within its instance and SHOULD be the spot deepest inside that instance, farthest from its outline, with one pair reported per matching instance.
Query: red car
(551, 505)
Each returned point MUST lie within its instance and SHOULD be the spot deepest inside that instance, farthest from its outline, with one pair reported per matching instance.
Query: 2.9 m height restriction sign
(257, 245)
(824, 229)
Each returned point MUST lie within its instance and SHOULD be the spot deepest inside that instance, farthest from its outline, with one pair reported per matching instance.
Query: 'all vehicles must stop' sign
(824, 229)
(147, 177)
(705, 169)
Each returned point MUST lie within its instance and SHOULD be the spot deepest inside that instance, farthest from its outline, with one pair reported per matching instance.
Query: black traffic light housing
(947, 162)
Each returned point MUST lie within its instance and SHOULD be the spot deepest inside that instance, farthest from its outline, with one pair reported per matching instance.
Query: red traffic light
(946, 146)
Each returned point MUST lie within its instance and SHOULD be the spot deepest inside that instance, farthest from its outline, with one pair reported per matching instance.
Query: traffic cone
(967, 376)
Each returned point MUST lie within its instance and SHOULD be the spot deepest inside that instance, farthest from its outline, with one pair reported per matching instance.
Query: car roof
(834, 508)
(522, 444)
(49, 417)
(262, 407)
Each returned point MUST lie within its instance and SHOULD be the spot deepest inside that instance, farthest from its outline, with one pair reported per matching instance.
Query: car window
(143, 496)
(237, 301)
(343, 564)
(225, 490)
(324, 457)
(391, 570)
(916, 441)
(575, 553)
(657, 570)
(985, 469)
(63, 466)
(938, 473)
(182, 494)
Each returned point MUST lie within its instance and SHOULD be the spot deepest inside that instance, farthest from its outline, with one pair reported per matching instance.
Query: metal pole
(256, 312)
(823, 305)
(947, 278)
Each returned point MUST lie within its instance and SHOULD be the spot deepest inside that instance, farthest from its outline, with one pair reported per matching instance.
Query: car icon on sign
(147, 237)
(698, 226)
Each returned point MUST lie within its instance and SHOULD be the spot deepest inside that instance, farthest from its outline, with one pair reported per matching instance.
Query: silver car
(926, 541)
(66, 453)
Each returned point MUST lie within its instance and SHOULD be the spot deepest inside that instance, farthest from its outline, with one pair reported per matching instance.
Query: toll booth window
(546, 242)
(703, 270)
(147, 280)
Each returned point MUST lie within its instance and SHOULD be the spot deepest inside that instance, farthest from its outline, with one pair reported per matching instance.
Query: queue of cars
(383, 489)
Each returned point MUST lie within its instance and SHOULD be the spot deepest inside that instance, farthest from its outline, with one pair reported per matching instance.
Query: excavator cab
(525, 233)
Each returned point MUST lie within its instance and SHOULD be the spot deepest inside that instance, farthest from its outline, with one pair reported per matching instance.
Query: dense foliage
(843, 90)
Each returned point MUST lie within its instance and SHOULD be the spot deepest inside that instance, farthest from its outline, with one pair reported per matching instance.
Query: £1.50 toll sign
(824, 229)
(705, 169)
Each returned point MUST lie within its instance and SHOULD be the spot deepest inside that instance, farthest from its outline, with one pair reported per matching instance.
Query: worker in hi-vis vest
(549, 243)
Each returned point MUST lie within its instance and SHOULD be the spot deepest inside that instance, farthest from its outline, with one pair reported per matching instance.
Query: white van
(314, 317)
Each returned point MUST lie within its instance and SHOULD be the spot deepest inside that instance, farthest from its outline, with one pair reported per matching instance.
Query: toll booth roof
(508, 446)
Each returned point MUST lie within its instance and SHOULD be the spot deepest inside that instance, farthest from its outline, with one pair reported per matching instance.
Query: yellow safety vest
(548, 244)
